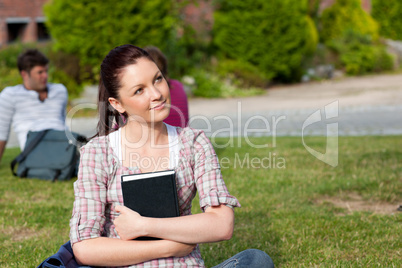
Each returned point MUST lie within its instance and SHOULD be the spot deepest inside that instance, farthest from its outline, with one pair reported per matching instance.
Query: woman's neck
(145, 133)
(145, 146)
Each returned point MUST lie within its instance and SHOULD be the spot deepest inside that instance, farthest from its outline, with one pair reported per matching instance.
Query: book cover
(151, 194)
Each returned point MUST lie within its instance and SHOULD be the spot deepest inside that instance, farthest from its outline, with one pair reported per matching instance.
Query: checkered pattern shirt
(98, 189)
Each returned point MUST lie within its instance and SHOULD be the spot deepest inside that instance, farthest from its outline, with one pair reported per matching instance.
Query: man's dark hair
(31, 58)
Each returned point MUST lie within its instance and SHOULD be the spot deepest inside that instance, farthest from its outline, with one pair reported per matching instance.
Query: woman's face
(144, 94)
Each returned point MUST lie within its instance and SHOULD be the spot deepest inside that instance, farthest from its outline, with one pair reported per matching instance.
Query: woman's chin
(159, 116)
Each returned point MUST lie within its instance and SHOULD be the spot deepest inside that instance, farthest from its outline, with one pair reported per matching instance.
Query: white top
(23, 109)
(115, 143)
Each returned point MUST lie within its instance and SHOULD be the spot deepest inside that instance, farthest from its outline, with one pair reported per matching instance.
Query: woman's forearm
(104, 251)
(216, 224)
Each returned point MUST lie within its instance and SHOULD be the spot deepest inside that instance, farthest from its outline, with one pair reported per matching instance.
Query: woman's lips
(159, 106)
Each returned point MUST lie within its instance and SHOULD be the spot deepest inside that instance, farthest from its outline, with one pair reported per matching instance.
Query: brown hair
(109, 85)
(31, 58)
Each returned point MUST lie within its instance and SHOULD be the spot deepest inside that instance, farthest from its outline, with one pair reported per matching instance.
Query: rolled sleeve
(210, 185)
(90, 191)
(215, 198)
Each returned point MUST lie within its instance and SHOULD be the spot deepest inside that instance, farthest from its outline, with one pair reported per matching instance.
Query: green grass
(281, 213)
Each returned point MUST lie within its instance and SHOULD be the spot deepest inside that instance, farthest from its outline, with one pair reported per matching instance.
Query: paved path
(370, 105)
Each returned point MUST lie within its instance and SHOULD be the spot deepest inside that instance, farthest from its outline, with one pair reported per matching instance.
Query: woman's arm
(216, 224)
(104, 251)
(88, 220)
(201, 169)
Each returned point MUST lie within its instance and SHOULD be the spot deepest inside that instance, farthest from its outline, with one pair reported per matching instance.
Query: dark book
(151, 194)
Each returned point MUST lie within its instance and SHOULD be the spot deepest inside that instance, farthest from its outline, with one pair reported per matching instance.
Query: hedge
(358, 54)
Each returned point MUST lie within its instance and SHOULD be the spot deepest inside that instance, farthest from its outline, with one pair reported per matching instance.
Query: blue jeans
(250, 258)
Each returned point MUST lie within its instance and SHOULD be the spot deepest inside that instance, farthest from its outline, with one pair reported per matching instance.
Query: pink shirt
(178, 116)
(98, 189)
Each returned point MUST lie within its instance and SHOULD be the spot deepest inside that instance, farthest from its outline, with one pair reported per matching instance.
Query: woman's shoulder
(190, 135)
(187, 131)
(98, 143)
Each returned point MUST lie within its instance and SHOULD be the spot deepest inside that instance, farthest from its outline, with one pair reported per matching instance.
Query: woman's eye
(138, 91)
(159, 79)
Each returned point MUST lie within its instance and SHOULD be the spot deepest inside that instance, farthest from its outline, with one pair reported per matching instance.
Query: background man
(33, 106)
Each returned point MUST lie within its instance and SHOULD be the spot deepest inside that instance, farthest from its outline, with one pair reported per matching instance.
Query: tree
(346, 15)
(388, 15)
(90, 29)
(272, 35)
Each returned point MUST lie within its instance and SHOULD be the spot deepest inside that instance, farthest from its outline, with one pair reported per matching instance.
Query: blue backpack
(49, 155)
(64, 258)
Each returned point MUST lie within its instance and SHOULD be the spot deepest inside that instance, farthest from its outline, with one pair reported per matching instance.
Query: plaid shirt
(98, 189)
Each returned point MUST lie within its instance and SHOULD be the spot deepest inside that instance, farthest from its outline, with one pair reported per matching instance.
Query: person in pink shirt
(178, 116)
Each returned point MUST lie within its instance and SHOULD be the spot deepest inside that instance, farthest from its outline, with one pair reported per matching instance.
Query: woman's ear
(117, 105)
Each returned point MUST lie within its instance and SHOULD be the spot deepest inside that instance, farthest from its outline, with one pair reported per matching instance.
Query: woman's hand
(129, 224)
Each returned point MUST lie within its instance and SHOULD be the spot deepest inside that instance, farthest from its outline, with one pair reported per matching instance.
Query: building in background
(23, 21)
(199, 15)
(366, 4)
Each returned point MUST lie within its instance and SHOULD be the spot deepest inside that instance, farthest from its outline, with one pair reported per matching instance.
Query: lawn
(301, 211)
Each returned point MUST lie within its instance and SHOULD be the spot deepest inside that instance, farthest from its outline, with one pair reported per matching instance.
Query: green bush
(346, 15)
(90, 29)
(384, 61)
(68, 63)
(244, 74)
(388, 14)
(9, 55)
(9, 77)
(66, 69)
(186, 52)
(59, 76)
(209, 85)
(272, 35)
(206, 85)
(359, 55)
(9, 73)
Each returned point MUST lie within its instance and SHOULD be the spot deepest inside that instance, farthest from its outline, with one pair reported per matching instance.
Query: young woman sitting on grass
(132, 138)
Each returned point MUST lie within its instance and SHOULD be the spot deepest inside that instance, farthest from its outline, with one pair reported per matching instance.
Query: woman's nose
(155, 93)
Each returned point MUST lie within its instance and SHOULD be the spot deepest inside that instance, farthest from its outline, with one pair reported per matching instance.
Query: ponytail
(109, 118)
